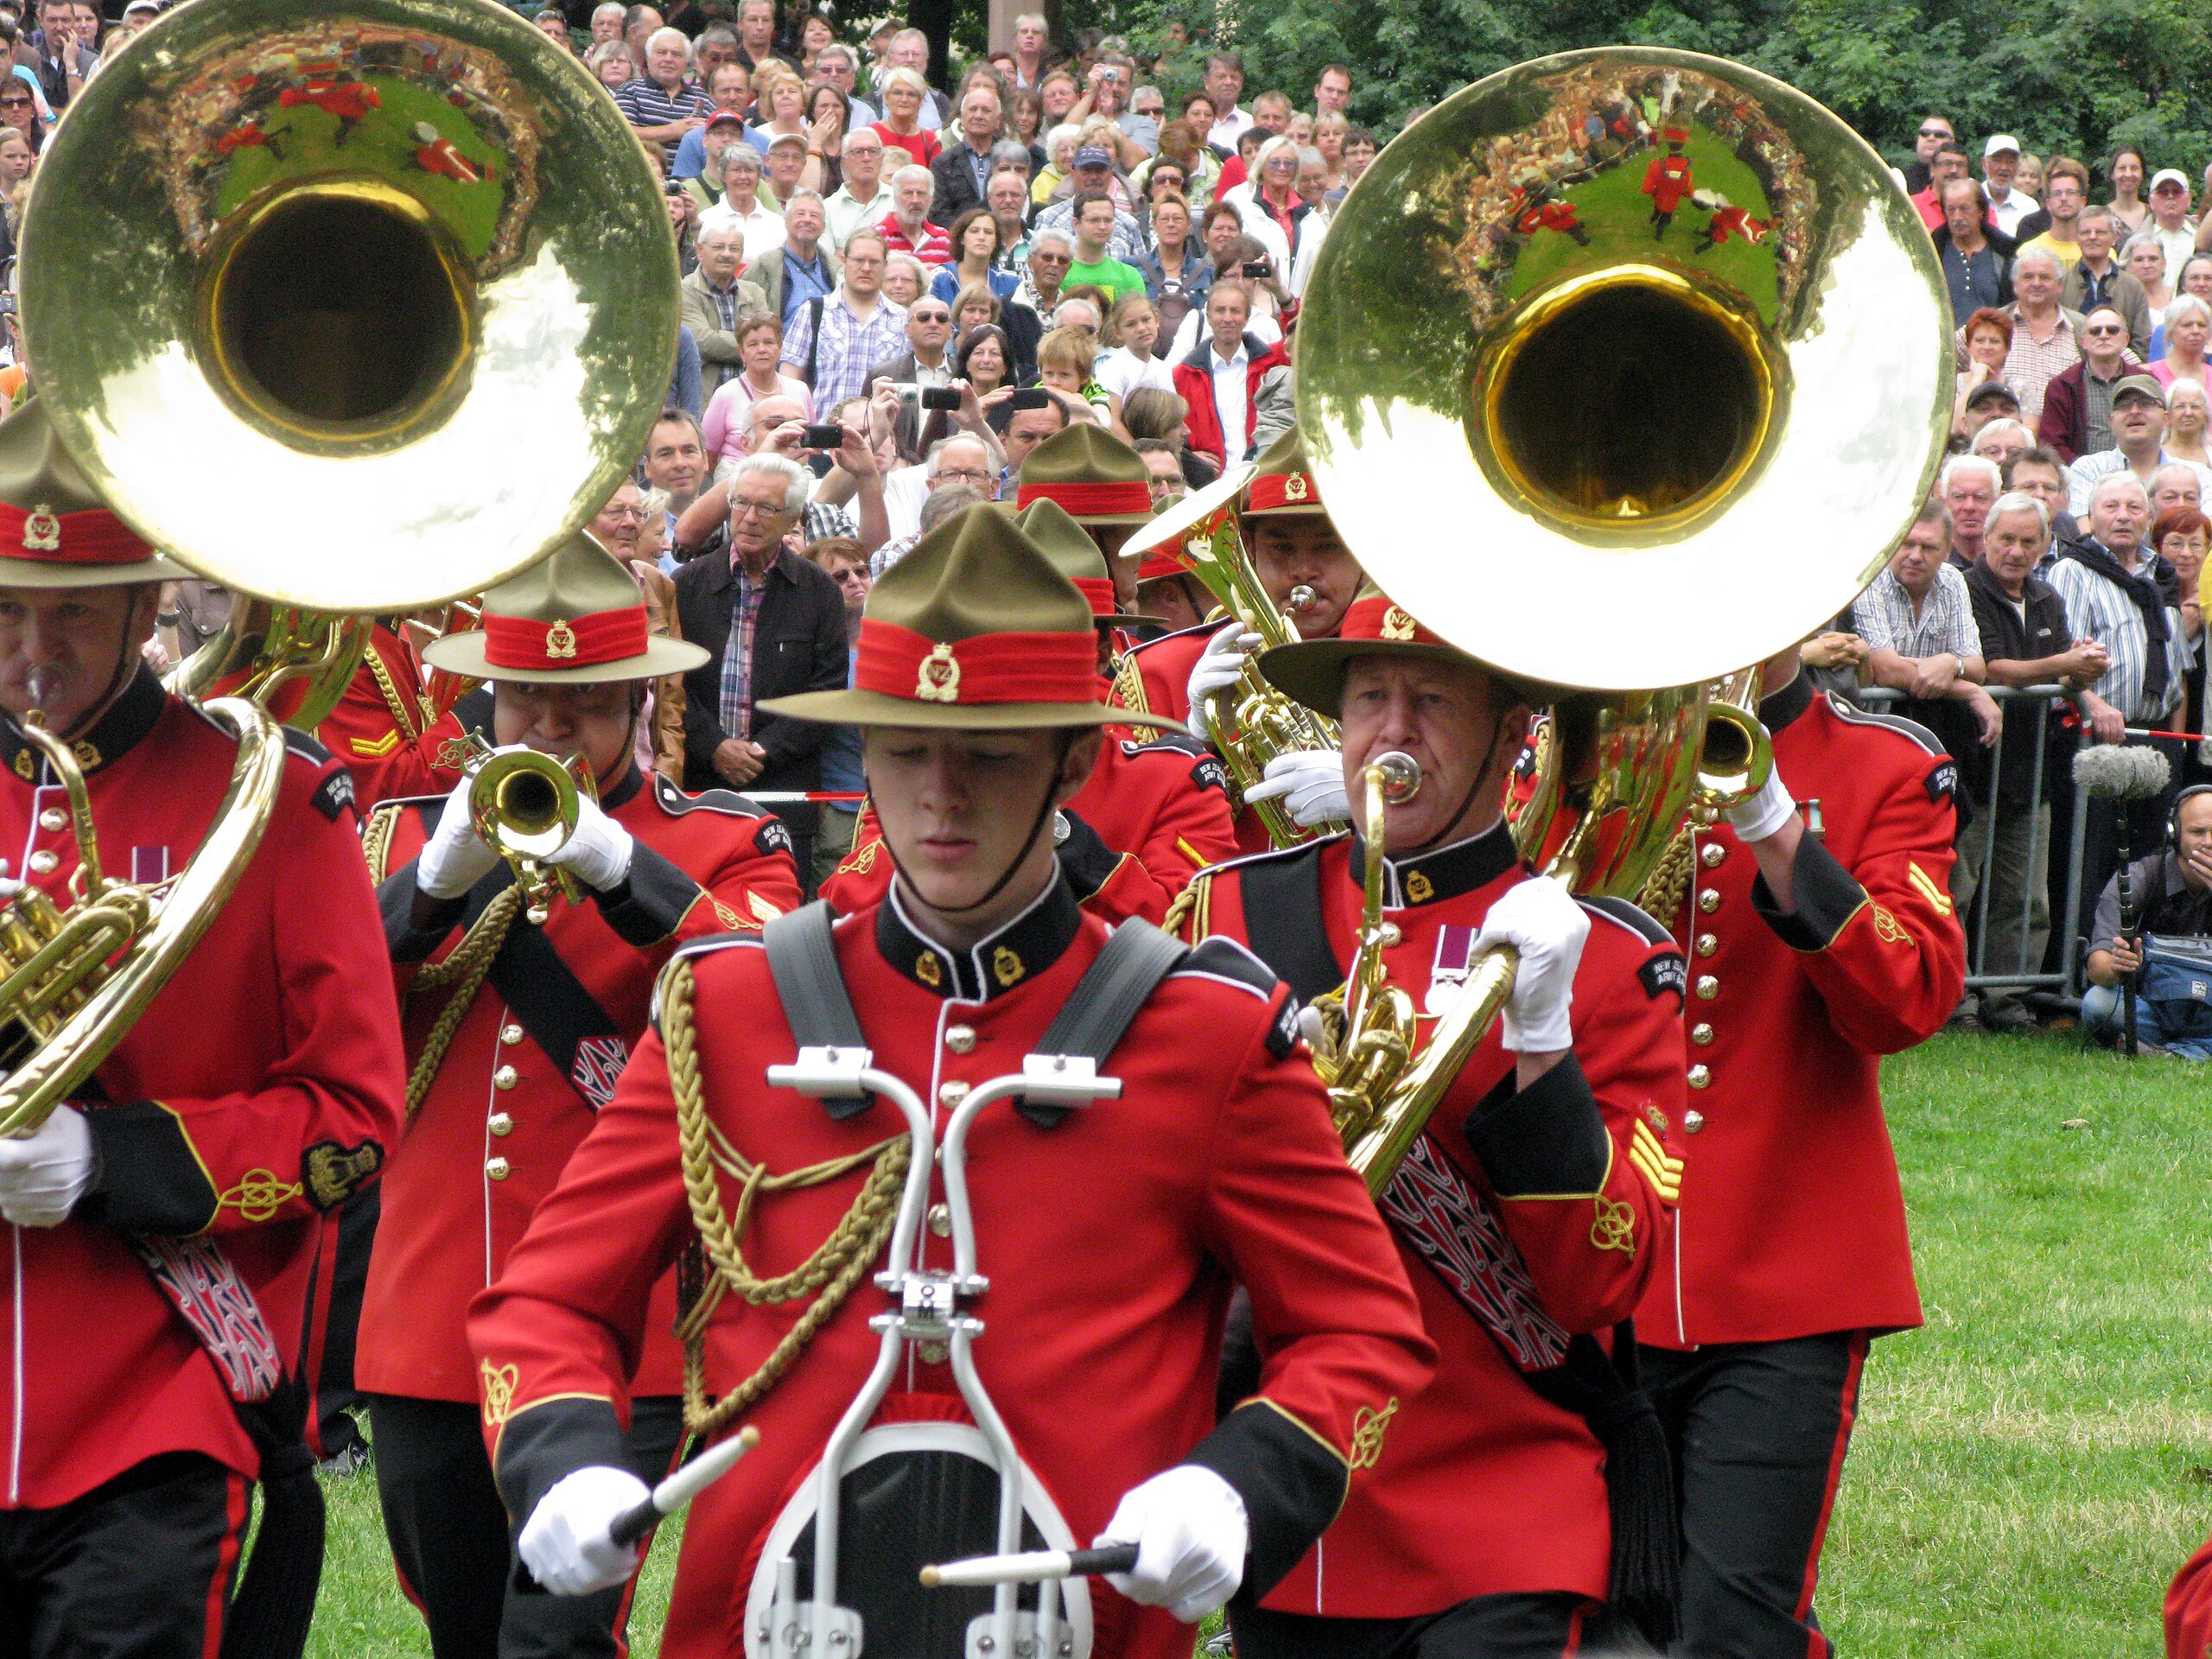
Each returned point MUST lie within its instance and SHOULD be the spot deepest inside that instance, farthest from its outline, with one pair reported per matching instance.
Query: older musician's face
(76, 641)
(592, 720)
(956, 806)
(1441, 714)
(1303, 550)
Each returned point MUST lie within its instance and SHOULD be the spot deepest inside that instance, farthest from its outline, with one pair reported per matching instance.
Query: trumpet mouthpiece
(1301, 598)
(1401, 777)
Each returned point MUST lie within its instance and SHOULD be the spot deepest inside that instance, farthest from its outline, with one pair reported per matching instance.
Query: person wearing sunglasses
(1935, 132)
(19, 110)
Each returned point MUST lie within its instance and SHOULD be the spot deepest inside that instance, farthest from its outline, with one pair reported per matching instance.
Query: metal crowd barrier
(2065, 981)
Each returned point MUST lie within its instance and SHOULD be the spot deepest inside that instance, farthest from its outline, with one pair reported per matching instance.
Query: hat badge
(1397, 625)
(939, 679)
(560, 640)
(1294, 488)
(43, 531)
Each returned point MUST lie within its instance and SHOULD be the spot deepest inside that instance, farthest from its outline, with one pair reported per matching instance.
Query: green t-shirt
(1117, 277)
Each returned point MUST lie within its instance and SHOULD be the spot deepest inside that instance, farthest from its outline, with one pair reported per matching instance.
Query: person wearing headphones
(2168, 944)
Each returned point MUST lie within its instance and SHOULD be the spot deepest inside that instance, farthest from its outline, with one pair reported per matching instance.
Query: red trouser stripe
(1817, 1645)
(235, 1489)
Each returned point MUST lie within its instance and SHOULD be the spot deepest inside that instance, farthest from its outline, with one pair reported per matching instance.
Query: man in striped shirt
(907, 228)
(662, 103)
(2046, 337)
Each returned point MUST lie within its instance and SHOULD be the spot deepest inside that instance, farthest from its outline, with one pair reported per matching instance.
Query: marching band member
(515, 1046)
(386, 730)
(161, 1227)
(1821, 938)
(1104, 485)
(1292, 545)
(1531, 1216)
(1121, 1226)
(1152, 814)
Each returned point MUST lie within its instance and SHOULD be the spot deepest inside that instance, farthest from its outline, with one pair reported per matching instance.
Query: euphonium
(378, 340)
(1367, 1031)
(1619, 370)
(523, 806)
(1252, 723)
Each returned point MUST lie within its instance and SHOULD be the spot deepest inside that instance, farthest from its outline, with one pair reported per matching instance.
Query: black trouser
(140, 1568)
(331, 1429)
(1486, 1627)
(449, 1539)
(1758, 1431)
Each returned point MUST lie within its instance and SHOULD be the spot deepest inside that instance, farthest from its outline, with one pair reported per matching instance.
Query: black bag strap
(1112, 990)
(802, 960)
(814, 335)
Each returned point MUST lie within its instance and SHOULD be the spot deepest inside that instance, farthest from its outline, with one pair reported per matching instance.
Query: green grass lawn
(2029, 1469)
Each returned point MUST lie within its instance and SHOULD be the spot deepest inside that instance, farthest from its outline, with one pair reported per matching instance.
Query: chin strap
(1036, 828)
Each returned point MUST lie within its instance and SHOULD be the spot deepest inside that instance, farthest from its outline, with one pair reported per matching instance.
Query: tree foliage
(2073, 80)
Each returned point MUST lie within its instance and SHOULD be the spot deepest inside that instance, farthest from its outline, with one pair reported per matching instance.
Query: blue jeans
(2101, 1012)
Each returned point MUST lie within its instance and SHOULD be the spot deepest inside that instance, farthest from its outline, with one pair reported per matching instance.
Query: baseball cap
(725, 118)
(2169, 175)
(781, 138)
(2139, 383)
(1093, 156)
(1999, 144)
(1993, 391)
(153, 7)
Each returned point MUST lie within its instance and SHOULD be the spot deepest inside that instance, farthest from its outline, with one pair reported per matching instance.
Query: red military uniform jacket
(385, 731)
(1489, 1488)
(1792, 1222)
(1111, 1241)
(1165, 666)
(534, 1059)
(1667, 180)
(2189, 1608)
(254, 1095)
(1153, 815)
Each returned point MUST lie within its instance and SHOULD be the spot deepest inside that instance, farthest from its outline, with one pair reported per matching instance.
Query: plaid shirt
(736, 702)
(2032, 364)
(849, 348)
(1883, 616)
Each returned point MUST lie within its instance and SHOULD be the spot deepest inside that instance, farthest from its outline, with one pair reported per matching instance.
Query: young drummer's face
(592, 720)
(956, 806)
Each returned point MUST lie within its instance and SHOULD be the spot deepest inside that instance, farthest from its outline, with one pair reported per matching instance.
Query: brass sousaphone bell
(353, 307)
(1621, 369)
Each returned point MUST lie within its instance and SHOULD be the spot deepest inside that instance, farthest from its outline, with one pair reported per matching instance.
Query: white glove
(1540, 919)
(1309, 782)
(598, 851)
(1762, 814)
(1219, 666)
(456, 858)
(1190, 1532)
(565, 1543)
(42, 1176)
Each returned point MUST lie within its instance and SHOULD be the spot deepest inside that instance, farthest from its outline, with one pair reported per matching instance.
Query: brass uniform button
(1707, 943)
(511, 1034)
(1707, 988)
(54, 818)
(497, 1169)
(1700, 1034)
(504, 1077)
(1710, 854)
(1700, 1077)
(941, 1220)
(951, 1094)
(1708, 900)
(1693, 1121)
(961, 1039)
(500, 1123)
(42, 861)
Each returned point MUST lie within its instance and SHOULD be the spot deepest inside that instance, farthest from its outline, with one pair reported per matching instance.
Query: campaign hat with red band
(1096, 478)
(1283, 484)
(577, 617)
(54, 530)
(975, 630)
(1312, 670)
(1075, 557)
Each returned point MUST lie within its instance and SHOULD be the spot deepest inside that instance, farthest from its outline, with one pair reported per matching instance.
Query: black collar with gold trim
(1781, 708)
(1025, 947)
(633, 779)
(1430, 878)
(113, 735)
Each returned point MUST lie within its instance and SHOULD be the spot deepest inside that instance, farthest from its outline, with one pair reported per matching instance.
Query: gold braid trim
(464, 969)
(829, 1274)
(376, 840)
(412, 723)
(1181, 909)
(1129, 684)
(1669, 884)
